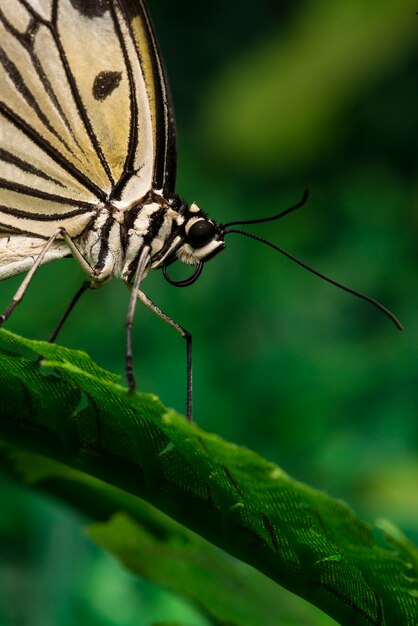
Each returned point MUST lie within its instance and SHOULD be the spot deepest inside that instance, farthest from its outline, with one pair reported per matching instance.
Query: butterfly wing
(160, 102)
(85, 114)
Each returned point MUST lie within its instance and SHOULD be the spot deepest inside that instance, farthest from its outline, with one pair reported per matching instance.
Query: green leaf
(303, 539)
(226, 591)
(159, 549)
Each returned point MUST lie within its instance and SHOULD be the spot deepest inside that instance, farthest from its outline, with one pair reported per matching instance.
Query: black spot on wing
(91, 8)
(105, 83)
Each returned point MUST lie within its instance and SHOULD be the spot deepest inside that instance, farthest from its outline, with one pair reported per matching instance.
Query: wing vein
(165, 153)
(40, 141)
(27, 41)
(53, 29)
(8, 157)
(44, 195)
(17, 79)
(128, 166)
(76, 94)
(39, 217)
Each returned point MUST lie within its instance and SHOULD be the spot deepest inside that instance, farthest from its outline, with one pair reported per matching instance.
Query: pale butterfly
(88, 155)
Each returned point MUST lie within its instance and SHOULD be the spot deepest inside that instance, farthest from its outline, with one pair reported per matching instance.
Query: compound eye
(200, 233)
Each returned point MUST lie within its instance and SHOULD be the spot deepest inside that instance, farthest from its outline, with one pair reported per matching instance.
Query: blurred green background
(270, 99)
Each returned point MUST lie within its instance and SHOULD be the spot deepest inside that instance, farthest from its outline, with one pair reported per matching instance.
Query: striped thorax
(172, 229)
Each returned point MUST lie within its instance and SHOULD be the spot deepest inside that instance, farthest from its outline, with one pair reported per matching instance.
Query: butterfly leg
(57, 329)
(141, 267)
(92, 284)
(86, 267)
(188, 339)
(17, 298)
(75, 299)
(26, 281)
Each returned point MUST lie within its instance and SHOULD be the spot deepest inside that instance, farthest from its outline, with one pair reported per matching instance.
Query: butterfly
(88, 155)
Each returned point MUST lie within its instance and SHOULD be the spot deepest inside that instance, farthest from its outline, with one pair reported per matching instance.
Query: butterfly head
(197, 238)
(202, 238)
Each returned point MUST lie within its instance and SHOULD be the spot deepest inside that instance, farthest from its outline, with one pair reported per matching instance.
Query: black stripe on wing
(76, 94)
(17, 79)
(40, 217)
(12, 159)
(27, 40)
(6, 229)
(166, 149)
(52, 26)
(128, 167)
(44, 195)
(165, 159)
(40, 141)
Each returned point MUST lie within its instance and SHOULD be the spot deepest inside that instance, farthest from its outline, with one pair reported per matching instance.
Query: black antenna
(377, 304)
(270, 219)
